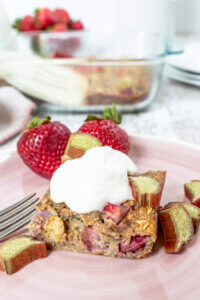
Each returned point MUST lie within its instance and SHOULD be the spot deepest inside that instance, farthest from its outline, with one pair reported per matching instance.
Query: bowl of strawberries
(47, 21)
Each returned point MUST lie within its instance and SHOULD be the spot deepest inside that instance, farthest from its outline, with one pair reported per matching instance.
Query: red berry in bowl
(59, 27)
(62, 16)
(105, 128)
(76, 25)
(25, 24)
(44, 17)
(42, 145)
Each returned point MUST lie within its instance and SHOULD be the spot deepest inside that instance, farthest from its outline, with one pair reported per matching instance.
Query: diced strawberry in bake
(116, 212)
(127, 91)
(137, 242)
(57, 54)
(89, 237)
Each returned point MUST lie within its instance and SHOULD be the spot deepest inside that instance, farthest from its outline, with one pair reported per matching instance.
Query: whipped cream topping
(88, 183)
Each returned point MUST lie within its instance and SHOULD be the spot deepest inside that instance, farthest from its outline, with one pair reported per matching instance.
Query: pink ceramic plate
(77, 276)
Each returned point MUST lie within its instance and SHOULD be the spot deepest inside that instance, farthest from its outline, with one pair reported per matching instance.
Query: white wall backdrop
(151, 15)
(188, 16)
(95, 14)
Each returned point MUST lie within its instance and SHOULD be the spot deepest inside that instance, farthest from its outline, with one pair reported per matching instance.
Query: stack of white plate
(185, 67)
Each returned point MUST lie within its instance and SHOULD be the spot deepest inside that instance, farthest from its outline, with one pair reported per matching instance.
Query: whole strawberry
(62, 16)
(105, 128)
(75, 25)
(25, 24)
(44, 18)
(42, 145)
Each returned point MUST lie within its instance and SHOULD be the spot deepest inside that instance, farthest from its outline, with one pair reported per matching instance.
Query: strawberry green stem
(47, 119)
(109, 113)
(35, 120)
(16, 24)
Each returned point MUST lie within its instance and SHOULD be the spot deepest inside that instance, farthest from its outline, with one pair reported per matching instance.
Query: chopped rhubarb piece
(79, 143)
(147, 188)
(177, 227)
(192, 192)
(20, 251)
(137, 242)
(159, 175)
(116, 212)
(193, 210)
(90, 237)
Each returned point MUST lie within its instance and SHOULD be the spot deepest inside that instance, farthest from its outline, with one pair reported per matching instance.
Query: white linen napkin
(15, 111)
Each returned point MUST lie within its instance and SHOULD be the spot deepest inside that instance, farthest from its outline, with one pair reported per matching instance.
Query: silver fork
(17, 215)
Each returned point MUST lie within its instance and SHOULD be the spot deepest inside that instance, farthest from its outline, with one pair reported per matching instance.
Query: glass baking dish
(86, 71)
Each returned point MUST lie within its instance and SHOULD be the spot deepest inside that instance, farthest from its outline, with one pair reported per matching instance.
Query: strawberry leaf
(93, 117)
(116, 116)
(33, 122)
(36, 11)
(45, 120)
(109, 113)
(16, 24)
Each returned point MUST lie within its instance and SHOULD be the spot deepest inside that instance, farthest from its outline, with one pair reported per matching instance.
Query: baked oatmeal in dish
(115, 84)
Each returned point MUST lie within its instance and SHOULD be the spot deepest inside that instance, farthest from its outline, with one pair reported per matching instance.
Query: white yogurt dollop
(90, 182)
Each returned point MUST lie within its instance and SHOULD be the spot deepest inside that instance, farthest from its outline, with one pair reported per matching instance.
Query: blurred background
(140, 69)
(171, 16)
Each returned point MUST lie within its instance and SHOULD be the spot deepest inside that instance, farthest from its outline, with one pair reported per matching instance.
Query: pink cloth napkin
(15, 110)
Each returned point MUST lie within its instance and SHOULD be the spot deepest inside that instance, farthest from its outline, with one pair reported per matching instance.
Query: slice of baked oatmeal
(119, 230)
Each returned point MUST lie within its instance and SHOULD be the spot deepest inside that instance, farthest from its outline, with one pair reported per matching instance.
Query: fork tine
(15, 226)
(17, 218)
(4, 211)
(18, 209)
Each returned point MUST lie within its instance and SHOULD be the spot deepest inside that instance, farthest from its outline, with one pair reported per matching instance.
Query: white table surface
(175, 114)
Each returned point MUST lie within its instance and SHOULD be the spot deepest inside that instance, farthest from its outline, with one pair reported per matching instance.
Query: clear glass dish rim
(173, 46)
